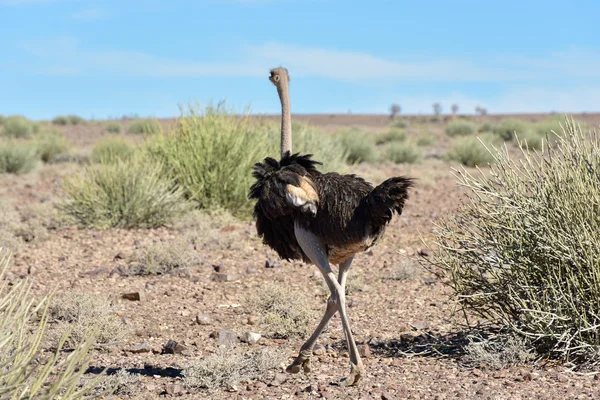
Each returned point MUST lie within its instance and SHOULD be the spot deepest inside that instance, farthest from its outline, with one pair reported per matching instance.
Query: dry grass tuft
(227, 367)
(82, 313)
(163, 258)
(497, 353)
(283, 313)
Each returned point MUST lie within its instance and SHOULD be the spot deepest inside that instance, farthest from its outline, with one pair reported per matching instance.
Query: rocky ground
(411, 335)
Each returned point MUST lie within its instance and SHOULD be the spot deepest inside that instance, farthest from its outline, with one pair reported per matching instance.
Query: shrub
(523, 251)
(51, 144)
(400, 153)
(394, 135)
(283, 314)
(424, 141)
(60, 120)
(307, 139)
(125, 194)
(499, 352)
(111, 149)
(507, 128)
(17, 157)
(22, 375)
(358, 145)
(228, 367)
(143, 126)
(460, 128)
(471, 152)
(113, 127)
(76, 119)
(17, 126)
(2, 119)
(488, 127)
(81, 313)
(400, 124)
(162, 259)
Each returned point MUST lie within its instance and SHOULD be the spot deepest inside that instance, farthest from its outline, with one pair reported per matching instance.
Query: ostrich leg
(303, 359)
(314, 248)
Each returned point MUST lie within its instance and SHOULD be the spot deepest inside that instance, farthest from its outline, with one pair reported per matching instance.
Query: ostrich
(320, 218)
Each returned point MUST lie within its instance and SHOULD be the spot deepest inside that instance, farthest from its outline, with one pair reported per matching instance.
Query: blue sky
(108, 58)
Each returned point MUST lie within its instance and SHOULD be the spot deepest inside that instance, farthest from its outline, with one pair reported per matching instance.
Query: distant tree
(395, 110)
(437, 109)
(455, 109)
(480, 110)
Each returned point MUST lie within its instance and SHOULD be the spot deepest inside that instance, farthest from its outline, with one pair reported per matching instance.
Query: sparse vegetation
(17, 126)
(81, 314)
(507, 128)
(393, 135)
(228, 367)
(358, 146)
(460, 128)
(143, 126)
(400, 124)
(111, 149)
(328, 149)
(2, 119)
(425, 140)
(127, 194)
(162, 259)
(22, 375)
(283, 314)
(51, 144)
(17, 157)
(523, 251)
(402, 153)
(113, 127)
(471, 152)
(497, 353)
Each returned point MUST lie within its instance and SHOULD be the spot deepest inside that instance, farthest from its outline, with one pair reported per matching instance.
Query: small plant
(470, 152)
(497, 353)
(402, 153)
(507, 128)
(111, 149)
(60, 120)
(358, 145)
(283, 314)
(113, 127)
(80, 314)
(17, 126)
(17, 157)
(228, 367)
(522, 251)
(143, 126)
(400, 124)
(425, 140)
(76, 120)
(393, 135)
(2, 119)
(124, 194)
(460, 128)
(22, 375)
(162, 259)
(51, 144)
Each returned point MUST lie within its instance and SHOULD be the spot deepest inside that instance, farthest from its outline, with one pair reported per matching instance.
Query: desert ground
(411, 333)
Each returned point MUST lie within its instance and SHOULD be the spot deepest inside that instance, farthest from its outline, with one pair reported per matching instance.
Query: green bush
(523, 250)
(18, 126)
(358, 146)
(68, 119)
(488, 127)
(2, 119)
(402, 153)
(113, 127)
(17, 157)
(393, 135)
(26, 371)
(460, 128)
(470, 152)
(125, 194)
(143, 126)
(76, 120)
(400, 124)
(111, 149)
(51, 144)
(425, 140)
(507, 128)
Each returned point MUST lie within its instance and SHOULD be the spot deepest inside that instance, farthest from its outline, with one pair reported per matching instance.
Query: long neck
(286, 118)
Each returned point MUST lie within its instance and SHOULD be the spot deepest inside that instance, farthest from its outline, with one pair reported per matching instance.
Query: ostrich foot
(356, 372)
(302, 362)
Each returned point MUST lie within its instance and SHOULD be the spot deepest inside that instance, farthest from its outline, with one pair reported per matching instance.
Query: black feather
(348, 211)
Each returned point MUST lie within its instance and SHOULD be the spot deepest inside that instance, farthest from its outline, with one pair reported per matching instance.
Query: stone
(202, 319)
(252, 337)
(250, 270)
(134, 296)
(172, 347)
(278, 379)
(252, 320)
(272, 264)
(364, 350)
(141, 348)
(319, 350)
(220, 277)
(424, 252)
(174, 389)
(227, 338)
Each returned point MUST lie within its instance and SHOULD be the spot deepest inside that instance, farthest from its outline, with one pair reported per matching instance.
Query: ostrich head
(280, 78)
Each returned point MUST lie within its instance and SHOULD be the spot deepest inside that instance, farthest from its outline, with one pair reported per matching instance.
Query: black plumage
(349, 214)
